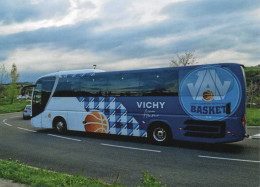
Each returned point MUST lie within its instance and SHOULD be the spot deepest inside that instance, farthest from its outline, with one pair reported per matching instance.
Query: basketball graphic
(208, 95)
(96, 121)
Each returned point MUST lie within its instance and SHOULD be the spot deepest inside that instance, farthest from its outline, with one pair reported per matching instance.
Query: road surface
(121, 159)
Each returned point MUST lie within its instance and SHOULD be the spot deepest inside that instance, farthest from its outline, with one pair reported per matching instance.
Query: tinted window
(151, 83)
(160, 83)
(95, 85)
(123, 84)
(66, 87)
(87, 85)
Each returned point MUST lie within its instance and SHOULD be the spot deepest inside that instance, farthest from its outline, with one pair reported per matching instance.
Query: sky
(45, 36)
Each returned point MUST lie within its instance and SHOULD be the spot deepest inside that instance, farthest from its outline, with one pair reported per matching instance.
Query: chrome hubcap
(159, 134)
(60, 126)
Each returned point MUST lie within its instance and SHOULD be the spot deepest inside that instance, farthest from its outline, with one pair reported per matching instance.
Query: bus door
(41, 95)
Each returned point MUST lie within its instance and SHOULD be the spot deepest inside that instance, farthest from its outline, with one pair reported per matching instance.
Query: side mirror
(26, 87)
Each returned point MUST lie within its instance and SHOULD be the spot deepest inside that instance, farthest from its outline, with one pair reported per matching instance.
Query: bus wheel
(160, 134)
(60, 126)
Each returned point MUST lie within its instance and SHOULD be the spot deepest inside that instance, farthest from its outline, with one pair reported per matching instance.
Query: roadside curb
(10, 183)
(10, 113)
(253, 127)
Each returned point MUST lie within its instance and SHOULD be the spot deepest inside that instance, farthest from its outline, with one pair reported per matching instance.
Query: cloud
(47, 14)
(210, 9)
(21, 11)
(138, 63)
(39, 61)
(110, 14)
(177, 37)
(131, 14)
(45, 36)
(47, 60)
(225, 56)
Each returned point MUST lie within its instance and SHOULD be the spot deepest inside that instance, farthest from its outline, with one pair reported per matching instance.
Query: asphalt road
(121, 159)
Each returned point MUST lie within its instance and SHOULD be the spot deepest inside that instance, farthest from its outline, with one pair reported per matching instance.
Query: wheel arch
(56, 118)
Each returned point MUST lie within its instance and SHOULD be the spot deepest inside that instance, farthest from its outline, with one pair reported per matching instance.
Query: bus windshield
(41, 94)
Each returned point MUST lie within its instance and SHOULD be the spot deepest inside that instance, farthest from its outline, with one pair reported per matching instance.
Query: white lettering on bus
(150, 105)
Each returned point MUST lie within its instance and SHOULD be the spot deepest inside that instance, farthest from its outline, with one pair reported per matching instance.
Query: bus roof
(85, 71)
(59, 73)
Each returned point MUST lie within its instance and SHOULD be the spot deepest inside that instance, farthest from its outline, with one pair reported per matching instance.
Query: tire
(160, 134)
(60, 126)
(25, 117)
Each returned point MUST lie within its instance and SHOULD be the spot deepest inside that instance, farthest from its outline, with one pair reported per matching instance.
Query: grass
(253, 116)
(150, 180)
(21, 173)
(17, 106)
(252, 69)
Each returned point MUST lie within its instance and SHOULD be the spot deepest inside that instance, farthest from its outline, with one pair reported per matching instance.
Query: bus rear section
(204, 103)
(213, 98)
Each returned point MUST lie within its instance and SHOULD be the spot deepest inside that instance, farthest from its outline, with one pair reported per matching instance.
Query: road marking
(253, 127)
(7, 123)
(230, 159)
(256, 136)
(26, 129)
(64, 137)
(9, 113)
(15, 117)
(134, 148)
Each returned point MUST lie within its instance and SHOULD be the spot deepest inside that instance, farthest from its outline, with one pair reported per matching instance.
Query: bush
(17, 106)
(149, 180)
(252, 116)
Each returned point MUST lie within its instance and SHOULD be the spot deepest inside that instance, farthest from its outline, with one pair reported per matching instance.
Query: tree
(14, 74)
(251, 93)
(3, 79)
(188, 58)
(12, 89)
(253, 85)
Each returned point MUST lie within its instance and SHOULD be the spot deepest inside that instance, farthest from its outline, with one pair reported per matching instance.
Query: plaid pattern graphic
(120, 122)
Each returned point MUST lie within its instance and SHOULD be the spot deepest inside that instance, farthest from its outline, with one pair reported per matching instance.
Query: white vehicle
(27, 112)
(23, 97)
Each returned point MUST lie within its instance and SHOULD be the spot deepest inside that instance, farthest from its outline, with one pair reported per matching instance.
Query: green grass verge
(23, 174)
(17, 106)
(40, 177)
(253, 116)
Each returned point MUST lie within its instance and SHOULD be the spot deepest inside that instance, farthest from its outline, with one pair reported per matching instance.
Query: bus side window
(97, 85)
(171, 82)
(130, 84)
(162, 83)
(63, 88)
(123, 84)
(113, 84)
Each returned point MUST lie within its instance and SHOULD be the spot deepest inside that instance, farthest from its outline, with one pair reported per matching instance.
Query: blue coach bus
(202, 103)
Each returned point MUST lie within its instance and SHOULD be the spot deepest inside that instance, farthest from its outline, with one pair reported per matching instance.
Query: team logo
(96, 121)
(208, 95)
(206, 92)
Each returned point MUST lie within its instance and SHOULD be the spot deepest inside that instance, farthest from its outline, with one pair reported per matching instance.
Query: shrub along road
(111, 158)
